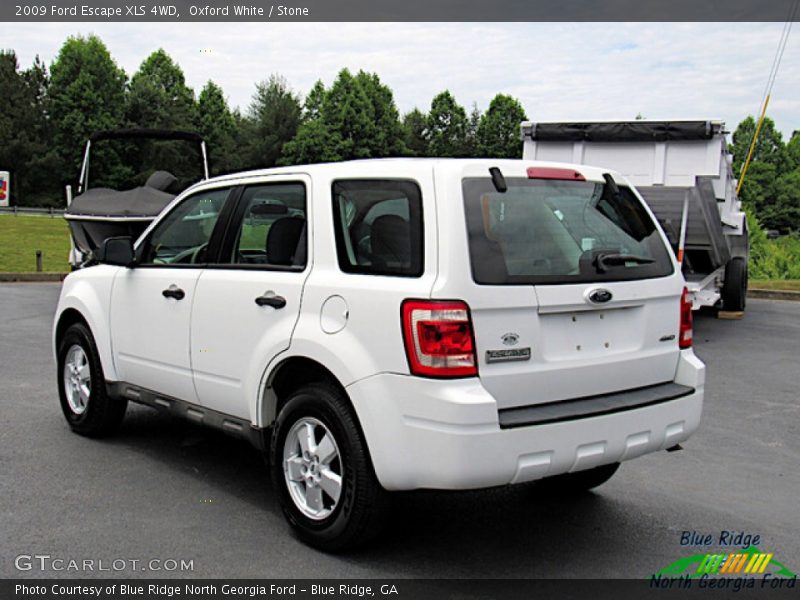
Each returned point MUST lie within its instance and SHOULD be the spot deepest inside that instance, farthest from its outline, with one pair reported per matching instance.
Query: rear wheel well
(288, 377)
(67, 319)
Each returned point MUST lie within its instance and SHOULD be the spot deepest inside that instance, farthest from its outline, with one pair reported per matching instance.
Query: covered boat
(98, 212)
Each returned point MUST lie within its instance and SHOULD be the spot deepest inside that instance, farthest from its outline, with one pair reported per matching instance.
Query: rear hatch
(575, 293)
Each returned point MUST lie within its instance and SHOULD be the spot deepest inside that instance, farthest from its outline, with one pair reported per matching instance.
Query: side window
(183, 236)
(378, 227)
(271, 226)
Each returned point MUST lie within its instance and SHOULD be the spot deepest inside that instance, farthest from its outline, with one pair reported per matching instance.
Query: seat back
(390, 241)
(283, 241)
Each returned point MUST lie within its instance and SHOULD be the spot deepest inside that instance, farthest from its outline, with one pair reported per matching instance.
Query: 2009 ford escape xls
(392, 325)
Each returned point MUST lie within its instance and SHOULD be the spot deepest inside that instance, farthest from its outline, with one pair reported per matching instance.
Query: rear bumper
(436, 434)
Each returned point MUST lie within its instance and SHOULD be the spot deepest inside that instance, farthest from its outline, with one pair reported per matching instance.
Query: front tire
(82, 387)
(322, 472)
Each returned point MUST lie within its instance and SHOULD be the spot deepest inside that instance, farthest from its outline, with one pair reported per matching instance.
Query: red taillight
(554, 173)
(685, 332)
(438, 338)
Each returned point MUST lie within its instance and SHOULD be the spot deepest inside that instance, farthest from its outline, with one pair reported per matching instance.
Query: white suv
(394, 324)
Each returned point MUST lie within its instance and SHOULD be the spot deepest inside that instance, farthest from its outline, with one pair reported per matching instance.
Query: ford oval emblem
(600, 296)
(510, 338)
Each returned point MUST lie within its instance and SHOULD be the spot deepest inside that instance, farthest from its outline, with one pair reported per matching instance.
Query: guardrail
(32, 210)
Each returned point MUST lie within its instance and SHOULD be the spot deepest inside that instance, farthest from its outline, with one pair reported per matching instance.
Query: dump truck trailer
(683, 171)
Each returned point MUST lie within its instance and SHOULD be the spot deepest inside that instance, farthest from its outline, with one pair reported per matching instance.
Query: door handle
(270, 299)
(174, 291)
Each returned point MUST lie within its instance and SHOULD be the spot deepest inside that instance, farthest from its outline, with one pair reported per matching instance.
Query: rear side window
(378, 227)
(551, 231)
(272, 226)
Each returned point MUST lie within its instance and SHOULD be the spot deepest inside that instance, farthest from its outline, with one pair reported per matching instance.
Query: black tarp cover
(104, 202)
(622, 131)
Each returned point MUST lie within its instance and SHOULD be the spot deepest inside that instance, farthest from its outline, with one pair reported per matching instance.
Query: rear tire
(580, 481)
(82, 387)
(734, 289)
(322, 472)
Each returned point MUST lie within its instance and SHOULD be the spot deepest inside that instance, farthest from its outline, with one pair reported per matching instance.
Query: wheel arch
(67, 319)
(72, 311)
(289, 375)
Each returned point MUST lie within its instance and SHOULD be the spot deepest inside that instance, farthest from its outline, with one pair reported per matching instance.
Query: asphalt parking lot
(164, 489)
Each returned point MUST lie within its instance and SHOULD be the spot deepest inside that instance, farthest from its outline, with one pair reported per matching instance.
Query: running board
(233, 426)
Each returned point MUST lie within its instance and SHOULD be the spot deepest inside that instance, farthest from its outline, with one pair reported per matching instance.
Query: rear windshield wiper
(604, 261)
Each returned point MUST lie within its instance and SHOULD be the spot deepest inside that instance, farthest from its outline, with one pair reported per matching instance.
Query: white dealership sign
(5, 188)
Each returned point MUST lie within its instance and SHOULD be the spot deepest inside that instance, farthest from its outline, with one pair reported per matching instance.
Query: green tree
(774, 198)
(473, 124)
(769, 147)
(14, 151)
(314, 143)
(447, 124)
(758, 189)
(86, 94)
(387, 134)
(348, 113)
(498, 132)
(793, 150)
(356, 118)
(313, 104)
(42, 183)
(770, 184)
(159, 96)
(784, 213)
(23, 127)
(217, 125)
(272, 121)
(415, 132)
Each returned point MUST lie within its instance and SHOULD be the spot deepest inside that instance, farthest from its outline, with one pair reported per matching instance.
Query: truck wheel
(82, 386)
(322, 472)
(581, 481)
(734, 289)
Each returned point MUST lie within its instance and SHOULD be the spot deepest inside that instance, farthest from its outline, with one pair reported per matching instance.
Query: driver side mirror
(116, 251)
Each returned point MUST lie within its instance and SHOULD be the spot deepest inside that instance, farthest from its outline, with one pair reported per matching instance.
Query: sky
(559, 71)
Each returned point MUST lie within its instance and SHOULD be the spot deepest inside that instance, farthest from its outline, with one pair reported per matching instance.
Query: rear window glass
(378, 227)
(551, 231)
